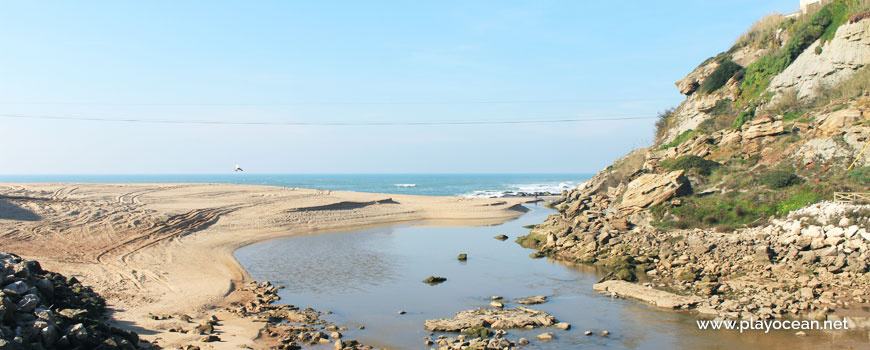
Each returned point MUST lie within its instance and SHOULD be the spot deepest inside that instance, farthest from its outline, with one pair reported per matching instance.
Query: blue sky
(346, 61)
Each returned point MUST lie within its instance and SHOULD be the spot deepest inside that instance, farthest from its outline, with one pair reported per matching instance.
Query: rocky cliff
(732, 202)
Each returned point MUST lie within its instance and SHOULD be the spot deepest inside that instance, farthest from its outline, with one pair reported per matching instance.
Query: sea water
(471, 185)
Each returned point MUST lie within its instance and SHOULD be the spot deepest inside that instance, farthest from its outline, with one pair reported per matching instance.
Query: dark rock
(433, 280)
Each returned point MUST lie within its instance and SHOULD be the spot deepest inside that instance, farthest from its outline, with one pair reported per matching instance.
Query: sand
(168, 248)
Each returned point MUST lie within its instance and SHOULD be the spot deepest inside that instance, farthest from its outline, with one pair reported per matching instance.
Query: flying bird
(238, 168)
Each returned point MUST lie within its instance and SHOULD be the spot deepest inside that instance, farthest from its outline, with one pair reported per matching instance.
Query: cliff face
(831, 63)
(713, 208)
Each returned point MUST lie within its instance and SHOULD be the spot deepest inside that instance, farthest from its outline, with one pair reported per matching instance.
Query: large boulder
(651, 189)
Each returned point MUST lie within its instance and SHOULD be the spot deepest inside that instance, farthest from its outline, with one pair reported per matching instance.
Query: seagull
(238, 168)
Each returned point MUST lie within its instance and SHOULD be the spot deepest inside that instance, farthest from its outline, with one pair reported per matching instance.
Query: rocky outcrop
(652, 296)
(848, 51)
(652, 189)
(835, 123)
(519, 317)
(761, 127)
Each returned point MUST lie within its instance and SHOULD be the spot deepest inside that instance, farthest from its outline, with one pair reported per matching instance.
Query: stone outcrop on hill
(848, 51)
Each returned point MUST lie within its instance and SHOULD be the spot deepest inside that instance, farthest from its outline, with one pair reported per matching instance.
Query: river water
(366, 277)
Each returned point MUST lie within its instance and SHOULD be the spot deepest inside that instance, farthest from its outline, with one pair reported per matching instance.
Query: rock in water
(433, 280)
(538, 299)
(501, 237)
(546, 336)
(462, 257)
(518, 317)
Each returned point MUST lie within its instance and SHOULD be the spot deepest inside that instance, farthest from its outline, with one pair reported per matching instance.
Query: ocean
(469, 185)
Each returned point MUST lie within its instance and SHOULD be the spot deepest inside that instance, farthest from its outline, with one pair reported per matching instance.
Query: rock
(16, 288)
(496, 304)
(605, 333)
(587, 333)
(496, 297)
(462, 257)
(518, 317)
(801, 334)
(210, 338)
(655, 297)
(835, 232)
(501, 237)
(563, 326)
(851, 231)
(78, 332)
(803, 242)
(401, 312)
(546, 336)
(523, 341)
(538, 299)
(762, 126)
(652, 189)
(433, 280)
(28, 303)
(335, 335)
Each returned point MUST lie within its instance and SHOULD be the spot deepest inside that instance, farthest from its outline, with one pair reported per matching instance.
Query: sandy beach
(153, 249)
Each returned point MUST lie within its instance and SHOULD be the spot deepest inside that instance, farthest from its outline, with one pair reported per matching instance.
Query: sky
(346, 62)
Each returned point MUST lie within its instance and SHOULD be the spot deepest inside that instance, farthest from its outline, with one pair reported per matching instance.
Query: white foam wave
(406, 185)
(512, 190)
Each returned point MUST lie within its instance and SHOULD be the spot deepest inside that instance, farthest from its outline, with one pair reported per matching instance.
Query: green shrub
(742, 119)
(478, 332)
(685, 136)
(759, 73)
(701, 165)
(839, 15)
(807, 32)
(720, 76)
(779, 179)
(860, 175)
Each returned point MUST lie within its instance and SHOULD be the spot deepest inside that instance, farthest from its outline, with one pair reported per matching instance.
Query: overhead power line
(325, 123)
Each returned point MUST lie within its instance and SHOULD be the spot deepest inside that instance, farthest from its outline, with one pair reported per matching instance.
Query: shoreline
(164, 249)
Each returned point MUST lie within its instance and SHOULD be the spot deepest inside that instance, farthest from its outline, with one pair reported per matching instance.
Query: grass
(860, 175)
(762, 32)
(685, 136)
(736, 209)
(797, 200)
